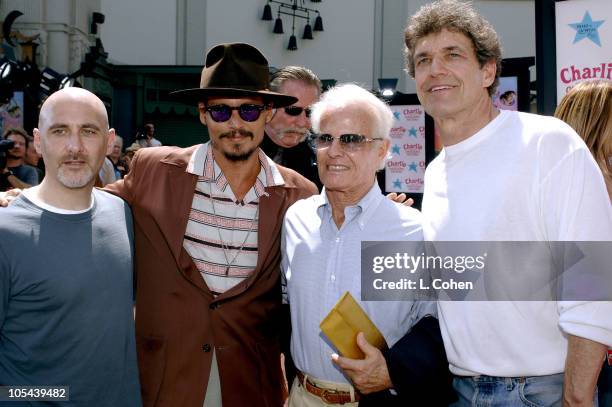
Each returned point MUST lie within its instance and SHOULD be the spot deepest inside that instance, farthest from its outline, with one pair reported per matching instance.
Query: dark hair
(458, 17)
(19, 131)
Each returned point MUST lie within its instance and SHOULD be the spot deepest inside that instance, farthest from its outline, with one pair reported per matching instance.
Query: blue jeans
(604, 386)
(487, 391)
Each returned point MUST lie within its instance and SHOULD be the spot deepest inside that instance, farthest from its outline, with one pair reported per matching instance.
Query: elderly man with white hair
(321, 243)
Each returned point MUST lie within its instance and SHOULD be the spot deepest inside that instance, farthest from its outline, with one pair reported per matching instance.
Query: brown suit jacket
(177, 320)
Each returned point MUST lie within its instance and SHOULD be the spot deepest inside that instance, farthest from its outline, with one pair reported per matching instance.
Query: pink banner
(405, 167)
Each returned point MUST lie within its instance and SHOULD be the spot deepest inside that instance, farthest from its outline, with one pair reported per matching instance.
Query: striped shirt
(221, 235)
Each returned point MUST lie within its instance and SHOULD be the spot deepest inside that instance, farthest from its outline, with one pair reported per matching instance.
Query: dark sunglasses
(247, 112)
(349, 142)
(297, 110)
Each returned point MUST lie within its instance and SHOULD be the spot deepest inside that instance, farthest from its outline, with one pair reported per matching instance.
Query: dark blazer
(418, 368)
(178, 322)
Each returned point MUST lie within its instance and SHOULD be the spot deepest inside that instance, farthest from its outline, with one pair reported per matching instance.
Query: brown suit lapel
(179, 198)
(272, 209)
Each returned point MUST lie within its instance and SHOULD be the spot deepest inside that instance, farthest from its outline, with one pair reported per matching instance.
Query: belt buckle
(326, 393)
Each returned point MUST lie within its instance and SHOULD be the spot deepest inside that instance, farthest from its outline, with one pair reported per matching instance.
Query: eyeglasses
(247, 112)
(349, 142)
(297, 110)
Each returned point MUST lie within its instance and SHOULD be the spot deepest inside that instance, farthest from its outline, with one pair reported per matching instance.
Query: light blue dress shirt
(321, 262)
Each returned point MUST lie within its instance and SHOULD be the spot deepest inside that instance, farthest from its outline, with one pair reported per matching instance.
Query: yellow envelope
(344, 322)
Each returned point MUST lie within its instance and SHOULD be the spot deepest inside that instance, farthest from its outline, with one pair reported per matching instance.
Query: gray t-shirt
(26, 173)
(66, 301)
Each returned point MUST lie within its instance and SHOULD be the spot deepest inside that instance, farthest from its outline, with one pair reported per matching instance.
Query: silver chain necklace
(225, 247)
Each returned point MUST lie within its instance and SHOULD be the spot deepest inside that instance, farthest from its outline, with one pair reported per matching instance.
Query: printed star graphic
(587, 28)
(412, 132)
(412, 167)
(397, 115)
(395, 149)
(397, 183)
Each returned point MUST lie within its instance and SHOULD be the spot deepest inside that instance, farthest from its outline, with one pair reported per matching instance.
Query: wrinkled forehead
(443, 39)
(306, 94)
(358, 118)
(73, 111)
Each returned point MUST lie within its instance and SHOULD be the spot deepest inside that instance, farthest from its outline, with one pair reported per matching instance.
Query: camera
(5, 145)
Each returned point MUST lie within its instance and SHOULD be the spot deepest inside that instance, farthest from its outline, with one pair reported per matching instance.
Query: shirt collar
(203, 164)
(366, 205)
(273, 175)
(196, 162)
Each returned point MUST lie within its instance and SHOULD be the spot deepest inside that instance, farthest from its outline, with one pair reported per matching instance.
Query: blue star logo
(587, 28)
(397, 115)
(395, 149)
(397, 183)
(412, 132)
(412, 167)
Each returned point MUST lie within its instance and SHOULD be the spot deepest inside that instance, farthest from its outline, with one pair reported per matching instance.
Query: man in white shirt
(506, 176)
(321, 243)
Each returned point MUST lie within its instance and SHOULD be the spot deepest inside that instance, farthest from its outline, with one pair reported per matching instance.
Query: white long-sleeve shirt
(321, 262)
(522, 177)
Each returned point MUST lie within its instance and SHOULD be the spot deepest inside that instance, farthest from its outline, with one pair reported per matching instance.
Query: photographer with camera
(14, 173)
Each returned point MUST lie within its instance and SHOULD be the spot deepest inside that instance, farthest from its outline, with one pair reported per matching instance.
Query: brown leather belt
(327, 395)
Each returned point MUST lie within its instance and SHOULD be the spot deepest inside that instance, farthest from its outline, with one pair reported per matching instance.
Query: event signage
(405, 167)
(584, 42)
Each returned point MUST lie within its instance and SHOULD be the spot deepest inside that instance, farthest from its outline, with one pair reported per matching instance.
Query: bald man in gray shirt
(66, 268)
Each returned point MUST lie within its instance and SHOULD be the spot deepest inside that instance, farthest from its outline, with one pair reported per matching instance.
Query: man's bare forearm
(582, 366)
(17, 183)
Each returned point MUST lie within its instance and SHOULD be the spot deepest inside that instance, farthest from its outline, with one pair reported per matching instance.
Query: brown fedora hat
(234, 70)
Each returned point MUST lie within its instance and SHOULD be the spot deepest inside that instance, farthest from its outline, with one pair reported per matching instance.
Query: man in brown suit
(207, 223)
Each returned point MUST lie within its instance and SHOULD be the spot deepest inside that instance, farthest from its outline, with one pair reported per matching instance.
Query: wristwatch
(7, 174)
